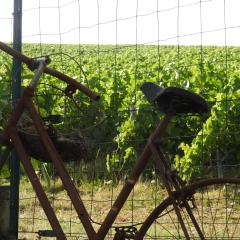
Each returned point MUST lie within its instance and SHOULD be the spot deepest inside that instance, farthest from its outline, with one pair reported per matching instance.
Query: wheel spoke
(217, 212)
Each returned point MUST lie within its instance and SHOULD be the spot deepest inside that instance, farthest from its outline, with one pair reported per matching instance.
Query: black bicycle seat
(174, 100)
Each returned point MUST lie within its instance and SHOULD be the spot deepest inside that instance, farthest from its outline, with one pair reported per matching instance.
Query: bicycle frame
(10, 138)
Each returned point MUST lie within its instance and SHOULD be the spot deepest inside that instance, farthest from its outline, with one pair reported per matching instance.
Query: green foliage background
(118, 125)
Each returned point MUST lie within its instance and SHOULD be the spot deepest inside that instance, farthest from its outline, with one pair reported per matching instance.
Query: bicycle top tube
(33, 64)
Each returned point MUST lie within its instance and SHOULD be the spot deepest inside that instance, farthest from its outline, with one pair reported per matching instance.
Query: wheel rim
(217, 213)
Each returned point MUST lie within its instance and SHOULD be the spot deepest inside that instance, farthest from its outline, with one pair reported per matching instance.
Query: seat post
(164, 170)
(159, 131)
(136, 171)
(162, 164)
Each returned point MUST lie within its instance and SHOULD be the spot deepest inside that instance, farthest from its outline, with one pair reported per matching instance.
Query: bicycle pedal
(46, 233)
(125, 233)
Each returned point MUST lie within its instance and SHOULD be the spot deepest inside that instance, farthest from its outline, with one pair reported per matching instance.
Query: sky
(184, 22)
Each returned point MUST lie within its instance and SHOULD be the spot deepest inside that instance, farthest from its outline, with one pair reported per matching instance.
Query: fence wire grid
(103, 43)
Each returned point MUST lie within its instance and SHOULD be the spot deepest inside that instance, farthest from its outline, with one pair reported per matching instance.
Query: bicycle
(185, 214)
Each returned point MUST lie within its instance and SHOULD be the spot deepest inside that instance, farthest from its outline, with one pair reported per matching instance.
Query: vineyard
(117, 126)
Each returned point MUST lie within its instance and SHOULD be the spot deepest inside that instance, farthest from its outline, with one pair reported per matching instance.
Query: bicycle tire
(217, 212)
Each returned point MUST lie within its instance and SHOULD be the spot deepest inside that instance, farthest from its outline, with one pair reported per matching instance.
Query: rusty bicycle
(205, 209)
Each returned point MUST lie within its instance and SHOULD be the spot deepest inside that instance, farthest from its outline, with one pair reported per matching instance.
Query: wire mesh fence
(130, 43)
(99, 198)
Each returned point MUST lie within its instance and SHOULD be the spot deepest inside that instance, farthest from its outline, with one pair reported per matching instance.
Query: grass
(98, 200)
(218, 213)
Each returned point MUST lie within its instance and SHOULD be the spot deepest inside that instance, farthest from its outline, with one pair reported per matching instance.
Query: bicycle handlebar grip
(31, 64)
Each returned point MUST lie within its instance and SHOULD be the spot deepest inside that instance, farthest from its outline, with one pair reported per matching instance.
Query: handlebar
(32, 65)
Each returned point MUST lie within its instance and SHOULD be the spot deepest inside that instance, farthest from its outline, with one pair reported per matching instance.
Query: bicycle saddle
(174, 100)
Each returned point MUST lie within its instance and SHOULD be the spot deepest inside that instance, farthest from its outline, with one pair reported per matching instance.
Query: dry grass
(99, 198)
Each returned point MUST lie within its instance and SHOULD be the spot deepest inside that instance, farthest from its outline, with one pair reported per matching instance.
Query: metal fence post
(16, 92)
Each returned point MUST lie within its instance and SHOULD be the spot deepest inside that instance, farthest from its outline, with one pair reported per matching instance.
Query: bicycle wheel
(216, 210)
